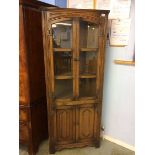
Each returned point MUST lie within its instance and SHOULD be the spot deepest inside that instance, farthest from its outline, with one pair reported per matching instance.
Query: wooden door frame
(73, 56)
(98, 59)
(74, 44)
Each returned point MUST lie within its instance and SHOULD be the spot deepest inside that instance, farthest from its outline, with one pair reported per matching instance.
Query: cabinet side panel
(102, 43)
(33, 32)
(37, 122)
(51, 113)
(23, 68)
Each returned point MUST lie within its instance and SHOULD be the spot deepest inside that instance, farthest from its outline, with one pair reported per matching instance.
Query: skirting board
(132, 148)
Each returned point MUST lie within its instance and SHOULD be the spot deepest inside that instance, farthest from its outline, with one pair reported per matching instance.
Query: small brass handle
(76, 59)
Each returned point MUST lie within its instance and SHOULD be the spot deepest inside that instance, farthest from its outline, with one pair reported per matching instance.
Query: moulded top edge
(74, 9)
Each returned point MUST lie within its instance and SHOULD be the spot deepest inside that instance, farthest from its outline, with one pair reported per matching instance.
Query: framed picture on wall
(81, 4)
(120, 32)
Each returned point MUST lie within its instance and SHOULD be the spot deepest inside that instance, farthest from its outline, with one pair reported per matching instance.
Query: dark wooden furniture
(74, 51)
(32, 93)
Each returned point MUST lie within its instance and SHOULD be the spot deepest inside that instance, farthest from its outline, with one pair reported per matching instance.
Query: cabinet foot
(97, 145)
(52, 150)
(31, 150)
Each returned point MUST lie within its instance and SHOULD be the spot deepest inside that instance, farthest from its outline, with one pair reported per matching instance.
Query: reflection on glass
(63, 88)
(88, 35)
(88, 63)
(62, 34)
(62, 63)
(87, 87)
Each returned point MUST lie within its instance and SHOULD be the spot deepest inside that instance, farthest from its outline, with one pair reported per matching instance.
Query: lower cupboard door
(65, 125)
(87, 123)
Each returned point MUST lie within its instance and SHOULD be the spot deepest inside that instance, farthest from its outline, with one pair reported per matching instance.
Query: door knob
(76, 59)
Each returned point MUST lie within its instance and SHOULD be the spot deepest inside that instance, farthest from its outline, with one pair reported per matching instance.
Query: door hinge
(52, 96)
(49, 32)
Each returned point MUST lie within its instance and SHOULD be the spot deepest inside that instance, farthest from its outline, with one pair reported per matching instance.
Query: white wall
(118, 116)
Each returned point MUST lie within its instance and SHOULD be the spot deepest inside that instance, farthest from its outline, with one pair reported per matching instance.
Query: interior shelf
(62, 49)
(88, 49)
(125, 62)
(63, 77)
(85, 76)
(65, 95)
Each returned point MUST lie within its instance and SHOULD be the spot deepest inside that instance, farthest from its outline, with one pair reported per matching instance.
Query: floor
(106, 148)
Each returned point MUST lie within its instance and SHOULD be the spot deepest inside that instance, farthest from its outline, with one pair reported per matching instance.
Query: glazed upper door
(62, 55)
(75, 54)
(88, 59)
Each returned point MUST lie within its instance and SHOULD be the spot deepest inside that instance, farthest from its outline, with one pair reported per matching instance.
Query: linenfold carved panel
(86, 123)
(65, 125)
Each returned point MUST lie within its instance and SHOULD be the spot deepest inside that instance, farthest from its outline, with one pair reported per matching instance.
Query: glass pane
(88, 35)
(63, 88)
(88, 63)
(87, 87)
(63, 63)
(62, 34)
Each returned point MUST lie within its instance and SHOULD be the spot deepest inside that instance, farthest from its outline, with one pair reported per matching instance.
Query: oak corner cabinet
(33, 127)
(74, 51)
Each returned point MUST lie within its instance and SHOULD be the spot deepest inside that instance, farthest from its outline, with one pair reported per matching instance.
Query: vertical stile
(52, 82)
(98, 63)
(77, 75)
(77, 55)
(102, 40)
(104, 46)
(76, 124)
(48, 82)
(74, 56)
(51, 58)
